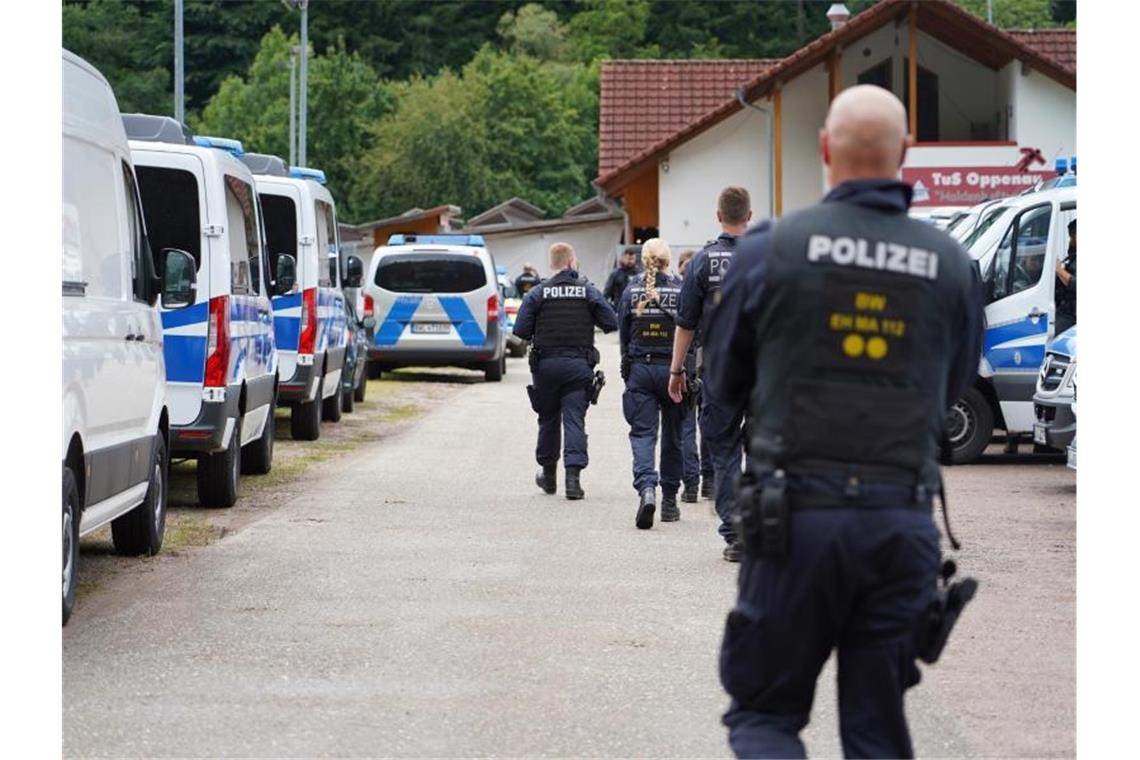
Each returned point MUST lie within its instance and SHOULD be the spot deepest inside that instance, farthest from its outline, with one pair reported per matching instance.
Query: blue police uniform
(869, 324)
(647, 350)
(699, 297)
(558, 317)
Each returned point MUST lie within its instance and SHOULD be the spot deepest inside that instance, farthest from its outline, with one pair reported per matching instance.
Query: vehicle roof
(431, 248)
(1056, 194)
(315, 189)
(91, 113)
(212, 157)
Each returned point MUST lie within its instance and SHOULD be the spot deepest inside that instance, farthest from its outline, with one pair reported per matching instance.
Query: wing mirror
(286, 275)
(353, 272)
(369, 322)
(179, 279)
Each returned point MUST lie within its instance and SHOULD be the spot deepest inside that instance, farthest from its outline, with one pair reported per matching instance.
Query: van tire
(71, 515)
(305, 420)
(518, 351)
(257, 456)
(493, 371)
(970, 425)
(140, 531)
(219, 474)
(331, 407)
(362, 387)
(347, 400)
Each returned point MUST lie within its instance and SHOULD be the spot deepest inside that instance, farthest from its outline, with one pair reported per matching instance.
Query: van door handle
(139, 337)
(1035, 313)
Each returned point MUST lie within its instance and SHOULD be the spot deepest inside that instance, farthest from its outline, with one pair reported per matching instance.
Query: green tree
(127, 47)
(345, 99)
(534, 31)
(1014, 14)
(611, 29)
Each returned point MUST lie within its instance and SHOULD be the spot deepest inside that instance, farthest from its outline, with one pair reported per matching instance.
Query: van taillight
(218, 342)
(493, 308)
(308, 322)
(369, 306)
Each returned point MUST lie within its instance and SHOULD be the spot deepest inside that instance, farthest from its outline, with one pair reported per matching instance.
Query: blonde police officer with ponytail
(645, 326)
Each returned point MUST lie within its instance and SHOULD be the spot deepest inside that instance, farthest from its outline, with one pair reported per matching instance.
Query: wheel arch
(76, 463)
(986, 388)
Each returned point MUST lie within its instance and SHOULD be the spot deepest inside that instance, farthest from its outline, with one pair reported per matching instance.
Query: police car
(1055, 423)
(436, 303)
(309, 318)
(1016, 254)
(221, 357)
(511, 301)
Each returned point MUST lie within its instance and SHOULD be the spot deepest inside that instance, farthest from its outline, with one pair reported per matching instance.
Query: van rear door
(439, 299)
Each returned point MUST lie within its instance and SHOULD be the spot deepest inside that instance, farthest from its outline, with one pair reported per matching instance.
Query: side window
(142, 270)
(170, 207)
(1020, 257)
(91, 184)
(241, 227)
(326, 245)
(279, 215)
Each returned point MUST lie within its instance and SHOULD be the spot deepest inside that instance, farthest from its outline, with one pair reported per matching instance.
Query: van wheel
(969, 427)
(518, 350)
(70, 541)
(305, 421)
(362, 387)
(140, 531)
(219, 474)
(257, 456)
(347, 401)
(493, 371)
(330, 407)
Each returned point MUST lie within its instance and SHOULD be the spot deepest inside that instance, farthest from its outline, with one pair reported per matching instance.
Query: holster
(533, 394)
(762, 516)
(532, 358)
(596, 386)
(693, 388)
(933, 628)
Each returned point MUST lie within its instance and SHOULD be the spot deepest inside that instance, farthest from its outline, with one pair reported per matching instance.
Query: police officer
(848, 330)
(527, 280)
(695, 451)
(699, 296)
(558, 318)
(645, 323)
(619, 278)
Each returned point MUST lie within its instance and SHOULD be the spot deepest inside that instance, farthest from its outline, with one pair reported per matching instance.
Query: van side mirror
(334, 270)
(369, 323)
(353, 272)
(179, 279)
(286, 275)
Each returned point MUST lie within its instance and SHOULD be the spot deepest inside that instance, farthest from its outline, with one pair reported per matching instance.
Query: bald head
(865, 135)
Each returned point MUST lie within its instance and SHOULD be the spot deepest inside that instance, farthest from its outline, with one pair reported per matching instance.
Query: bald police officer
(699, 297)
(558, 317)
(846, 330)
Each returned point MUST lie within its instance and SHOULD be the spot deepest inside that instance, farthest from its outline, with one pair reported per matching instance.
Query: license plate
(431, 328)
(1039, 434)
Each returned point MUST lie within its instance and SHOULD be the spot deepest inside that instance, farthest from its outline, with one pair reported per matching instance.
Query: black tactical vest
(564, 317)
(719, 253)
(856, 334)
(651, 331)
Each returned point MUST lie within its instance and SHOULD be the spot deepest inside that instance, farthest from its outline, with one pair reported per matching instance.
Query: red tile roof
(1058, 44)
(644, 101)
(942, 19)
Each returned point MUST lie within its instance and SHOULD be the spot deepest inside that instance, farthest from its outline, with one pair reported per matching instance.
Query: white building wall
(1044, 116)
(596, 246)
(804, 109)
(967, 90)
(734, 152)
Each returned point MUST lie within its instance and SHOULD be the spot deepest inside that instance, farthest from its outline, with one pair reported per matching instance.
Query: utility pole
(301, 150)
(990, 11)
(179, 74)
(293, 105)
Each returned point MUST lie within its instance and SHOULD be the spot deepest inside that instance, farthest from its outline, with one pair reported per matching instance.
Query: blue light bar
(1073, 164)
(475, 241)
(1061, 166)
(233, 147)
(304, 172)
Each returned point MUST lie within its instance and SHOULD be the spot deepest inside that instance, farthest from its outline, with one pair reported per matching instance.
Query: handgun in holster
(533, 394)
(936, 622)
(596, 386)
(692, 393)
(762, 515)
(533, 358)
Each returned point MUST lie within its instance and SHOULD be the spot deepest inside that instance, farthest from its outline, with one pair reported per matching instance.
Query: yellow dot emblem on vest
(853, 345)
(876, 348)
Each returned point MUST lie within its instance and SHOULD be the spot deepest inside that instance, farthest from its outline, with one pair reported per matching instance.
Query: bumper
(453, 356)
(1071, 451)
(1054, 424)
(514, 341)
(206, 434)
(302, 386)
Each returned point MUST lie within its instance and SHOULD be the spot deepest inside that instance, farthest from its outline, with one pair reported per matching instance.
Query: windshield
(442, 273)
(986, 223)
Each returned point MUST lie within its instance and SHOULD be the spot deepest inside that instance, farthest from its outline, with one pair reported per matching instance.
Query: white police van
(221, 359)
(1016, 255)
(436, 304)
(309, 318)
(116, 420)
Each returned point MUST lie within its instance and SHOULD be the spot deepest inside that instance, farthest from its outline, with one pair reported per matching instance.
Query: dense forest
(419, 102)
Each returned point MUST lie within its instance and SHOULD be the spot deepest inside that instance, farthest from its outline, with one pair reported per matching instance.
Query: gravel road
(417, 595)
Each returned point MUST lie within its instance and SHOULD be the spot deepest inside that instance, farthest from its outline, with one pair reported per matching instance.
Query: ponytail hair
(655, 256)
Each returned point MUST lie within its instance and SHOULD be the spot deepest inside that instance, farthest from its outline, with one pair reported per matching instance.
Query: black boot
(646, 508)
(547, 478)
(573, 486)
(707, 490)
(733, 551)
(689, 495)
(669, 510)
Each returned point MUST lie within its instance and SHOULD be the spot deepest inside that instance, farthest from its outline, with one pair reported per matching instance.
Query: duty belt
(652, 359)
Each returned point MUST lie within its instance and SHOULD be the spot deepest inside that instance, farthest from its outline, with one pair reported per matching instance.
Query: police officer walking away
(558, 318)
(620, 276)
(848, 330)
(699, 295)
(645, 319)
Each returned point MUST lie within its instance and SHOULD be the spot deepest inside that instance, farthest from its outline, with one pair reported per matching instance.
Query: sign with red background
(967, 185)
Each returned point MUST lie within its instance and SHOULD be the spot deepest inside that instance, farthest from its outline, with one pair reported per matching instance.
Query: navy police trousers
(695, 450)
(726, 439)
(646, 403)
(562, 393)
(855, 580)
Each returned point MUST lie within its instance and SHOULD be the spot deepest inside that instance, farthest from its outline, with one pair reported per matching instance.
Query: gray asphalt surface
(421, 597)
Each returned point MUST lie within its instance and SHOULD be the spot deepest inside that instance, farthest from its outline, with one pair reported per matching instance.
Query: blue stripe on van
(469, 331)
(185, 358)
(287, 330)
(390, 330)
(199, 312)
